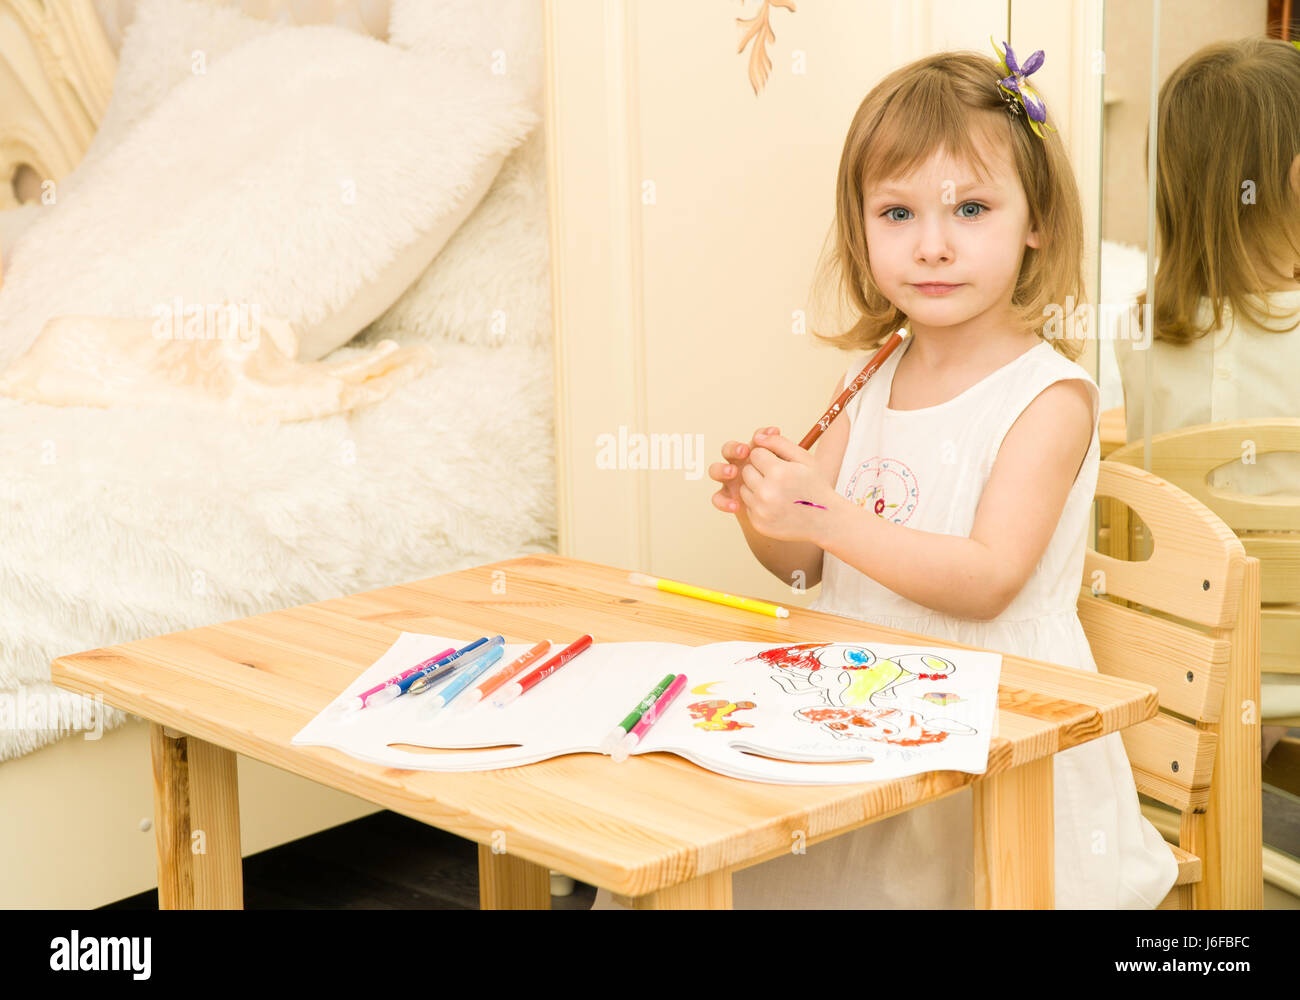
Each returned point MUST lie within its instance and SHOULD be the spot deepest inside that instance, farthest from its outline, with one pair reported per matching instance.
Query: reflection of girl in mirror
(1226, 344)
(957, 485)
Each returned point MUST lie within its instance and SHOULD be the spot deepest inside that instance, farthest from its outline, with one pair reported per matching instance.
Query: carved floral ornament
(758, 29)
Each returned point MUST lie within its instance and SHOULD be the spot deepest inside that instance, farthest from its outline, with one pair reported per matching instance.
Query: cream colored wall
(744, 196)
(688, 214)
(80, 831)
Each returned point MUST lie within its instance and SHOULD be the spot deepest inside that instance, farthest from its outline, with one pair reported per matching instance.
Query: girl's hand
(778, 475)
(728, 498)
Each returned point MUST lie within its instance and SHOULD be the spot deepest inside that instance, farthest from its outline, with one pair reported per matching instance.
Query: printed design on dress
(885, 486)
(849, 678)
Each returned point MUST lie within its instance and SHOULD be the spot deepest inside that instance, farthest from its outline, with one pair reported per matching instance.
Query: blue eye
(961, 211)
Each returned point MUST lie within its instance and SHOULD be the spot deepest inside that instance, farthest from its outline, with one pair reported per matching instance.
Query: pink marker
(359, 701)
(629, 742)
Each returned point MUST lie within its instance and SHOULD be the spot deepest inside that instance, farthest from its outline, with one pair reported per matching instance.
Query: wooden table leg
(196, 823)
(708, 892)
(509, 883)
(1015, 844)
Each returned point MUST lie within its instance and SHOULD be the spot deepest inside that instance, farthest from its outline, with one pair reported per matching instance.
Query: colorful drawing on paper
(884, 725)
(784, 712)
(715, 715)
(854, 687)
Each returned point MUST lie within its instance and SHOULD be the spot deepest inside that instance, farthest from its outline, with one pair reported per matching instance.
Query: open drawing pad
(803, 713)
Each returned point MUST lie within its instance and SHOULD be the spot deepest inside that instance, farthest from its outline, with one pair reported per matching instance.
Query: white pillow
(166, 43)
(157, 52)
(13, 223)
(499, 40)
(491, 283)
(274, 178)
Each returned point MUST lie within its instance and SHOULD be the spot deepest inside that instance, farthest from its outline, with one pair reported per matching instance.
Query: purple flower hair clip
(1016, 90)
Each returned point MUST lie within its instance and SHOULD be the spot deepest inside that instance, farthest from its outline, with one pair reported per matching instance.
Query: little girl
(957, 484)
(1226, 340)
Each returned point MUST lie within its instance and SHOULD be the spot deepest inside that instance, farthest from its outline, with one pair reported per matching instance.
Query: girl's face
(946, 248)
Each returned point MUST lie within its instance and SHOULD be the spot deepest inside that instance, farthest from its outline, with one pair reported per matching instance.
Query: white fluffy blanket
(121, 524)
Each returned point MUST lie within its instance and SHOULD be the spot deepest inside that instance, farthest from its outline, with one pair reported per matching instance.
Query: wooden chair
(1268, 526)
(1112, 430)
(1186, 621)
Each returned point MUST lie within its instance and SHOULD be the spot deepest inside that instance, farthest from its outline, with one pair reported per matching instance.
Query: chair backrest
(1268, 526)
(1186, 621)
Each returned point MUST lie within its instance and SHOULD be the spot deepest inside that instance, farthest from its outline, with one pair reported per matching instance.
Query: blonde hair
(1230, 114)
(930, 105)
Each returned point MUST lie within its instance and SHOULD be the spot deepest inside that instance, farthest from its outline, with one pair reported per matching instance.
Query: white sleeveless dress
(927, 469)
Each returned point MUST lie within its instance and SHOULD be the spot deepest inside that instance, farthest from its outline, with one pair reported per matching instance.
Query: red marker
(515, 688)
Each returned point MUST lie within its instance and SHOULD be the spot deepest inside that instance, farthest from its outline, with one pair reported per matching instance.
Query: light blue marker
(466, 677)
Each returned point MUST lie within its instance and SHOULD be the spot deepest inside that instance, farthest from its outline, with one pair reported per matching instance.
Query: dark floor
(387, 861)
(1282, 821)
(384, 861)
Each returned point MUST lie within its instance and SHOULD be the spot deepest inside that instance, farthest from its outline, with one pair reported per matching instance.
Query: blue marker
(393, 690)
(467, 677)
(428, 678)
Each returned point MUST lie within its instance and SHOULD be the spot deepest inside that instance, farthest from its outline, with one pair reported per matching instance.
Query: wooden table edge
(621, 879)
(624, 881)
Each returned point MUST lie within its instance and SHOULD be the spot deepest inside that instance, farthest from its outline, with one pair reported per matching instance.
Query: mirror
(1210, 402)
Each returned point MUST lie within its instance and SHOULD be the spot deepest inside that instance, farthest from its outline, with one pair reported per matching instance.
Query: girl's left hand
(778, 474)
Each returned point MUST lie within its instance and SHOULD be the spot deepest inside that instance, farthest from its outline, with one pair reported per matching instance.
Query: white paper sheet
(832, 713)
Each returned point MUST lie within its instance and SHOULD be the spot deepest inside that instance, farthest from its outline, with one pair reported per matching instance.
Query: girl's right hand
(728, 473)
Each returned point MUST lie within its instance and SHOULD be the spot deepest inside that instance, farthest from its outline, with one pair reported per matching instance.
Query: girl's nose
(933, 246)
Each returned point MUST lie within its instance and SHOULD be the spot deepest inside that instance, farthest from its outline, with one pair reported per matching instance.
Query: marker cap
(508, 694)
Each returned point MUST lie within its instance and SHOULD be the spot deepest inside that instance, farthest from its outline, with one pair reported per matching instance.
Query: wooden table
(657, 830)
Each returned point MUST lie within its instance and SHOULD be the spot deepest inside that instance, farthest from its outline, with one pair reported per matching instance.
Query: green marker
(633, 717)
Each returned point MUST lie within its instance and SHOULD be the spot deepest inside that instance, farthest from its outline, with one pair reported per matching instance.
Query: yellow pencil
(717, 597)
